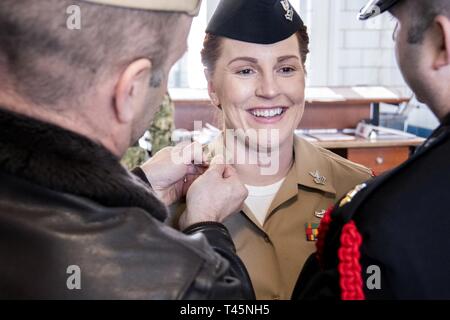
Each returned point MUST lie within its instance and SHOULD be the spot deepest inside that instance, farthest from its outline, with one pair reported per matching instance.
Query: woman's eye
(287, 70)
(245, 71)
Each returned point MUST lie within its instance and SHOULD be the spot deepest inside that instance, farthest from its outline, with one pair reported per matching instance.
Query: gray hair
(49, 64)
(423, 13)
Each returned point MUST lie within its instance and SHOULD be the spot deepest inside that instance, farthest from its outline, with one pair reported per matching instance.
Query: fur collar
(61, 160)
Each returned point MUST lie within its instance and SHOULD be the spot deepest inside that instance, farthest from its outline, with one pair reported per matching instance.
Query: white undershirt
(260, 198)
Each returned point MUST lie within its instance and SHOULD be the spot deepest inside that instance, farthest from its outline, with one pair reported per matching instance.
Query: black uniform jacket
(74, 224)
(391, 239)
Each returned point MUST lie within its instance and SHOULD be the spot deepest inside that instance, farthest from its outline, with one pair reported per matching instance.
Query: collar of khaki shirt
(307, 159)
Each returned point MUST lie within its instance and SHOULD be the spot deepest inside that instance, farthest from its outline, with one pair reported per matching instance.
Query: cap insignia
(289, 11)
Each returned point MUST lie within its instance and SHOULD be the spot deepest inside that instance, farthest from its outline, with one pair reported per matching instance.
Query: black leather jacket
(66, 201)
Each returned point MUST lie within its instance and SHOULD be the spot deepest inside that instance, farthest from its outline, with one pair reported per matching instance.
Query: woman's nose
(267, 87)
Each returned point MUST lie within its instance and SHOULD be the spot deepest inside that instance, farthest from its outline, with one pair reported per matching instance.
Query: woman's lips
(267, 115)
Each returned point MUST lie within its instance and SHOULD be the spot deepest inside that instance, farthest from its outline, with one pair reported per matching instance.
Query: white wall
(347, 52)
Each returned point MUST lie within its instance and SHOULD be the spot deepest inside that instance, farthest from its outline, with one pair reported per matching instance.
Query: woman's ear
(131, 89)
(211, 89)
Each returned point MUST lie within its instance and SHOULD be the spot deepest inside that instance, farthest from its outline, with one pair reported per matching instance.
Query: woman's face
(260, 87)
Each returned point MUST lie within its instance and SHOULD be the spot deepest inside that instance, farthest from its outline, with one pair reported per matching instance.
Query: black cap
(256, 21)
(375, 7)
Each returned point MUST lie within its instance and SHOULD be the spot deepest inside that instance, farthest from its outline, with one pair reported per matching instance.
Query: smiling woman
(255, 69)
(267, 82)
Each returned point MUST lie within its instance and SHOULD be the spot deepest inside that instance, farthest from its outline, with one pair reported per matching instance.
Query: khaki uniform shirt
(275, 252)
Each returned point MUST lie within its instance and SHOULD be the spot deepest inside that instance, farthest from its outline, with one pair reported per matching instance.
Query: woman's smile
(267, 115)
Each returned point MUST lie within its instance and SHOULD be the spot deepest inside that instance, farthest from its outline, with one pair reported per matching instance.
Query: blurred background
(344, 51)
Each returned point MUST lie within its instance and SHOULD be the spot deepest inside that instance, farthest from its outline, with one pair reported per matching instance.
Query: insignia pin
(319, 214)
(289, 11)
(318, 178)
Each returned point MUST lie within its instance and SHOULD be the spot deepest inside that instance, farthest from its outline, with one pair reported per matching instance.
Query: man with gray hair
(389, 237)
(74, 224)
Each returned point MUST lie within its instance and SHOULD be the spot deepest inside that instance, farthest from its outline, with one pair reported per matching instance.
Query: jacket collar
(312, 167)
(61, 160)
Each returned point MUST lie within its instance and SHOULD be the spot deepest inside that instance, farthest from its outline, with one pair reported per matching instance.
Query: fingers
(179, 147)
(188, 182)
(190, 153)
(196, 169)
(218, 160)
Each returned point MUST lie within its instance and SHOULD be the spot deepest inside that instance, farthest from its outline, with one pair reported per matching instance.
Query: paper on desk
(306, 137)
(323, 135)
(333, 137)
(375, 93)
(322, 94)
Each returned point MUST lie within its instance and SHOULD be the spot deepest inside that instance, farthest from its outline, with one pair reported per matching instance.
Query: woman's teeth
(267, 113)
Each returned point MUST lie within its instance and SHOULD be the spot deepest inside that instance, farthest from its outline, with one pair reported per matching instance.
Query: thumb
(218, 164)
(229, 172)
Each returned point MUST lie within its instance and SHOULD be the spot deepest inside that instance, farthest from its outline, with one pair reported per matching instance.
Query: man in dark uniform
(389, 238)
(75, 92)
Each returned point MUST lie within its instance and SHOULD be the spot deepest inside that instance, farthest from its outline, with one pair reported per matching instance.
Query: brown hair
(212, 48)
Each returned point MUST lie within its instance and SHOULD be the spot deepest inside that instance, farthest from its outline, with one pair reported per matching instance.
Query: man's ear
(443, 28)
(132, 84)
(211, 89)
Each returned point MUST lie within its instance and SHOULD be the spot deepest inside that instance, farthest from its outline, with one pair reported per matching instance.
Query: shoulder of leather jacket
(66, 204)
(145, 258)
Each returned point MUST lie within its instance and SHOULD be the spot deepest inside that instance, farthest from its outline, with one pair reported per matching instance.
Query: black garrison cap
(256, 21)
(375, 7)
